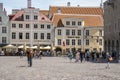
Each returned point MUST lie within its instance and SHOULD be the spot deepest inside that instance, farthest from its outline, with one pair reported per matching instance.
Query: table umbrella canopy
(34, 47)
(47, 47)
(9, 46)
(22, 46)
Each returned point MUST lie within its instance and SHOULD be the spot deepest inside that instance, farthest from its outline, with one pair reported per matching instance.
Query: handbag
(110, 58)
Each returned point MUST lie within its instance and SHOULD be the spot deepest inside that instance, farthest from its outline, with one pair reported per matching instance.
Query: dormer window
(59, 10)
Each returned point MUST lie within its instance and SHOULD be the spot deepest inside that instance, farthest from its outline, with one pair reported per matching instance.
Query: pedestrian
(97, 56)
(21, 54)
(81, 56)
(40, 55)
(87, 55)
(108, 58)
(70, 56)
(29, 57)
(77, 56)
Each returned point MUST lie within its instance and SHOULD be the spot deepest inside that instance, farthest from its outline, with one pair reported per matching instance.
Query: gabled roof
(43, 18)
(19, 16)
(76, 10)
(89, 20)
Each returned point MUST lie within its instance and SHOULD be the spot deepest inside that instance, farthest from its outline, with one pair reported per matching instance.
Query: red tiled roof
(76, 10)
(89, 20)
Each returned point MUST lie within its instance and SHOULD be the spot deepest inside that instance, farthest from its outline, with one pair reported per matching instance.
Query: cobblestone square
(55, 68)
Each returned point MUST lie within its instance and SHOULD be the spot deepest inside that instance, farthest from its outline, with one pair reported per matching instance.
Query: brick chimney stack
(29, 3)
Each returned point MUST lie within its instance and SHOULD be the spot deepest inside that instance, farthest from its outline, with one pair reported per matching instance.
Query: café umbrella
(9, 46)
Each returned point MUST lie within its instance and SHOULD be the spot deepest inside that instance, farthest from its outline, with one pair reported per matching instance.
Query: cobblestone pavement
(56, 68)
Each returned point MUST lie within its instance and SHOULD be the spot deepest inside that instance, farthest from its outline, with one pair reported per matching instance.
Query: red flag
(63, 43)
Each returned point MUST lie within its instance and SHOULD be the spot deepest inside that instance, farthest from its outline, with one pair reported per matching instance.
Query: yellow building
(77, 28)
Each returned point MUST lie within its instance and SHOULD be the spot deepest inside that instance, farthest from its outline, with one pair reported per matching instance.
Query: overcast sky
(44, 4)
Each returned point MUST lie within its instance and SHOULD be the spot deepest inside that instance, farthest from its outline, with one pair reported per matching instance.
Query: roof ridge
(78, 14)
(78, 7)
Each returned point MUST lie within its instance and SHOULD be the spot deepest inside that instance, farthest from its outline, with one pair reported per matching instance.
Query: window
(48, 27)
(35, 36)
(27, 26)
(48, 36)
(73, 41)
(35, 17)
(79, 32)
(42, 35)
(4, 30)
(4, 39)
(59, 31)
(87, 42)
(79, 23)
(67, 42)
(20, 25)
(27, 36)
(59, 41)
(13, 25)
(67, 32)
(35, 26)
(42, 26)
(73, 23)
(87, 32)
(73, 32)
(13, 35)
(100, 42)
(67, 22)
(100, 32)
(20, 36)
(0, 19)
(27, 17)
(79, 42)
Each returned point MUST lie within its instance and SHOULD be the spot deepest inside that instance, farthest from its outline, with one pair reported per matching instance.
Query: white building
(30, 26)
(4, 28)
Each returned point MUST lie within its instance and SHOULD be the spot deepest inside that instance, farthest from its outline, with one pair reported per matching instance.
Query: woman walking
(77, 56)
(109, 58)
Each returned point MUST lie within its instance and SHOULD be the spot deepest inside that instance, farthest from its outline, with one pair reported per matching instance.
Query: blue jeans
(30, 60)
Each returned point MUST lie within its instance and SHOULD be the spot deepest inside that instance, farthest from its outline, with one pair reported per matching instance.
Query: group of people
(78, 56)
(30, 55)
(91, 56)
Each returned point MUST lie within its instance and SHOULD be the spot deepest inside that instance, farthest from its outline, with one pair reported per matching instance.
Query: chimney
(68, 3)
(1, 6)
(29, 3)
